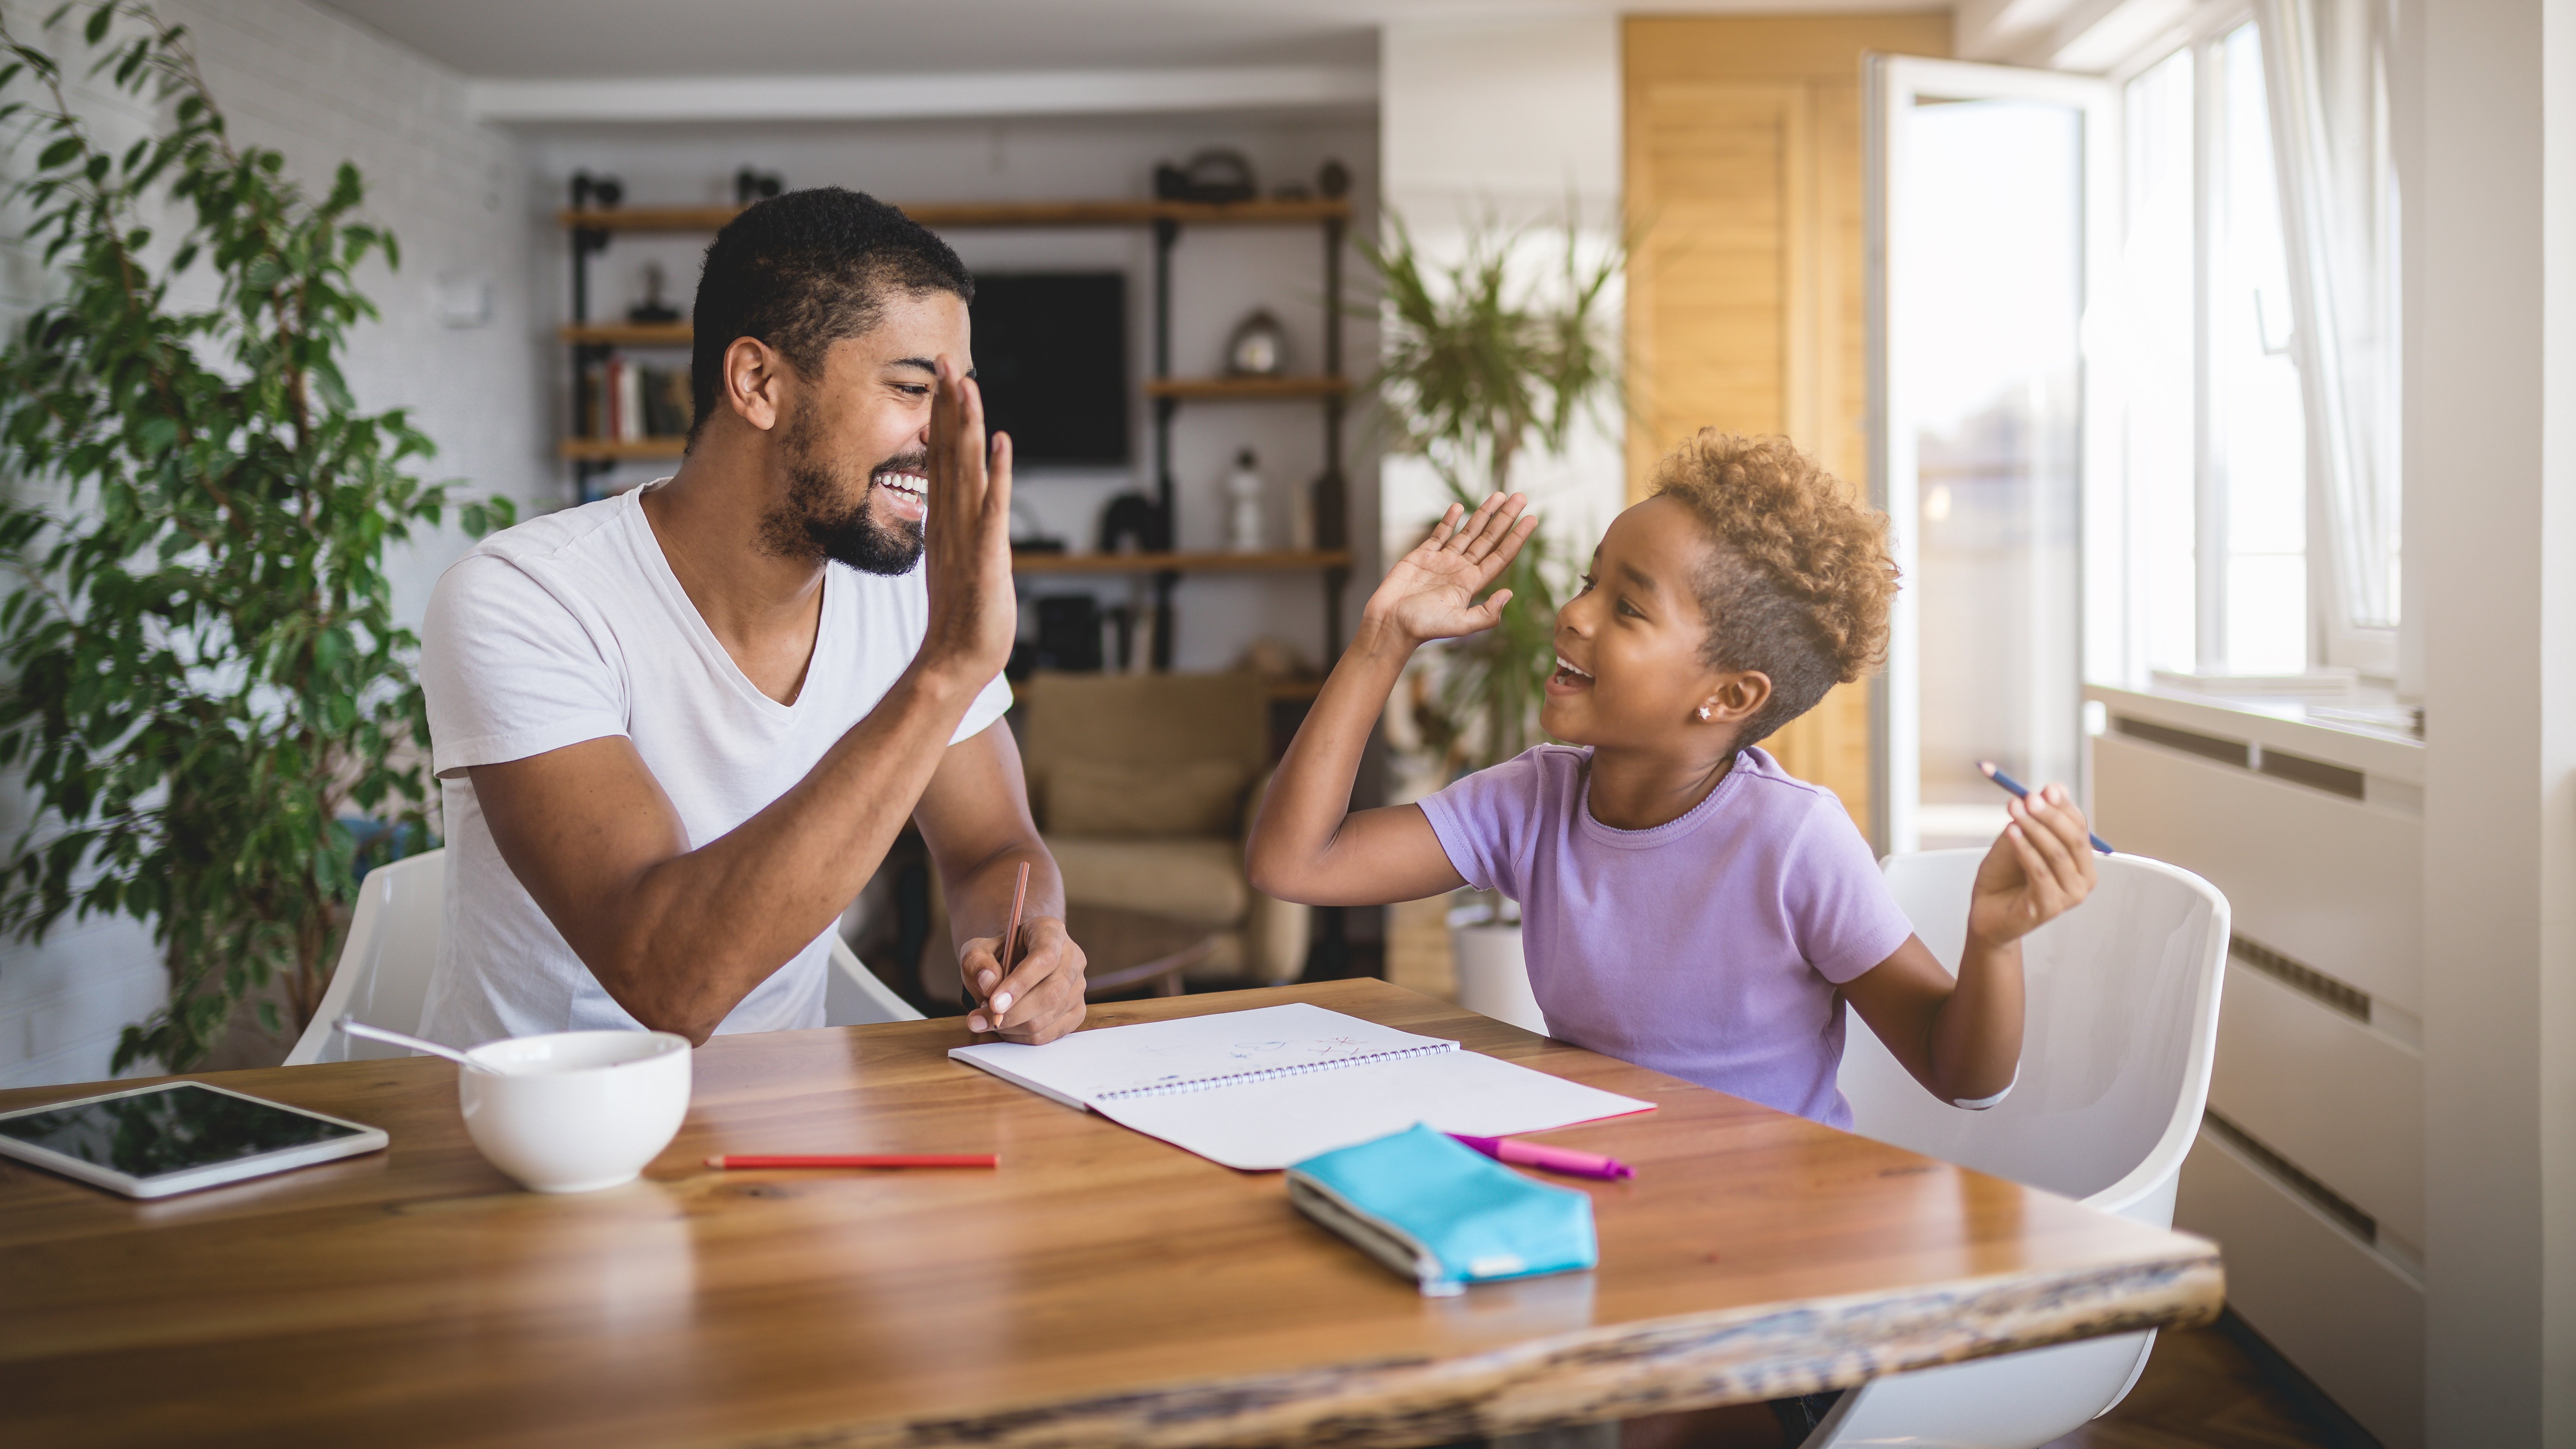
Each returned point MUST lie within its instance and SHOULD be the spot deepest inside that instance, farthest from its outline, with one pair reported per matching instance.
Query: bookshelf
(591, 229)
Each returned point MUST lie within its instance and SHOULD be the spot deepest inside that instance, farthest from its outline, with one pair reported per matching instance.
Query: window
(2214, 430)
(2250, 322)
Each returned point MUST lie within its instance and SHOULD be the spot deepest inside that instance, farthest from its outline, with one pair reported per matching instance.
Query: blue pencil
(1996, 774)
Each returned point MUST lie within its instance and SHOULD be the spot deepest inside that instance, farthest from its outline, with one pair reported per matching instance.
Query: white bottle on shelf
(1244, 529)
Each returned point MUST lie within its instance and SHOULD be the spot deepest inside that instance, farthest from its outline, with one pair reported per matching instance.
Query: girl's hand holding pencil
(2038, 869)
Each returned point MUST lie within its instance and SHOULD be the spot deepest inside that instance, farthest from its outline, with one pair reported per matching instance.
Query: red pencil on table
(855, 1159)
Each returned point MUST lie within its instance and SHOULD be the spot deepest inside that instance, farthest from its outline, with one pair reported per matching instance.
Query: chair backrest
(1144, 719)
(2121, 1025)
(853, 996)
(383, 975)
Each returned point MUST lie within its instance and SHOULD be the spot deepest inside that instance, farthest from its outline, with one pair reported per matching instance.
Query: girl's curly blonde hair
(1799, 582)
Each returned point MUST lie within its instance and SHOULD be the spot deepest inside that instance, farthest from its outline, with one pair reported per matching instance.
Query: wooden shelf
(1271, 561)
(1246, 389)
(611, 450)
(626, 334)
(996, 214)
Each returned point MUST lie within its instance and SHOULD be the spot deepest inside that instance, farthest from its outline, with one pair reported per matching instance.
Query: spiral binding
(1265, 1074)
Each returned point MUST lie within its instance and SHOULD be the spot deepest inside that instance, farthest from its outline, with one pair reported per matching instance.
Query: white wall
(321, 89)
(1507, 122)
(1218, 275)
(2490, 385)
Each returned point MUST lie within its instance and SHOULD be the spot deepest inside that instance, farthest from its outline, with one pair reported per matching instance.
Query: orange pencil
(1010, 938)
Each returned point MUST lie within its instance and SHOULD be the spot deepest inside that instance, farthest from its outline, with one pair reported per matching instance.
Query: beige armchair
(1144, 786)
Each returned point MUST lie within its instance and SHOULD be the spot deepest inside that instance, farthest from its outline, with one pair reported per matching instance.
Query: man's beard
(813, 521)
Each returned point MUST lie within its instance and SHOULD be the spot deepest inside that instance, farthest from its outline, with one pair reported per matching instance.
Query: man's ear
(754, 382)
(1735, 696)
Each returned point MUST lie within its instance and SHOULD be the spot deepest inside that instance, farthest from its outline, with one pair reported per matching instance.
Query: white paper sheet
(1358, 1080)
(1187, 1051)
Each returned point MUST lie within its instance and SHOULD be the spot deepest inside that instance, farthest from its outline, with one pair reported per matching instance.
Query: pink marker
(1553, 1159)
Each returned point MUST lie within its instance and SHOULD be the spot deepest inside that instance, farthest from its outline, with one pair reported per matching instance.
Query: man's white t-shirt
(572, 627)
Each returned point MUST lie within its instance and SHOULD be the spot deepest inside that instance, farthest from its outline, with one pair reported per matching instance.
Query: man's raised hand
(1431, 592)
(974, 614)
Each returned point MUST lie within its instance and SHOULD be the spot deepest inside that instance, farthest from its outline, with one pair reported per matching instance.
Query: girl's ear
(1738, 695)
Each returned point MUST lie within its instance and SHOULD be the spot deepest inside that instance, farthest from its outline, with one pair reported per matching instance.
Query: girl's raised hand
(2038, 869)
(1431, 592)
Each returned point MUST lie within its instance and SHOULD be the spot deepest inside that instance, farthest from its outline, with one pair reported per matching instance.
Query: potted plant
(1489, 356)
(205, 672)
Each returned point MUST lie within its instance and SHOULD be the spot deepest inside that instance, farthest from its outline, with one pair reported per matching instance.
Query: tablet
(177, 1137)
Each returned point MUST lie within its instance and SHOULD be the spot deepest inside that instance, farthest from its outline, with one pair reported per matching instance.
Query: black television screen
(1051, 355)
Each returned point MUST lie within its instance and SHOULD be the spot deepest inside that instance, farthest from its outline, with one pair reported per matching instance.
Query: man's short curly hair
(803, 270)
(1800, 580)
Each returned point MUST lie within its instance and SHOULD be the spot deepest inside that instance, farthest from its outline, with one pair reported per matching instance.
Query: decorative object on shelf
(1275, 658)
(1131, 522)
(1258, 346)
(1244, 532)
(1333, 180)
(596, 193)
(1215, 174)
(1480, 367)
(1068, 632)
(1028, 535)
(206, 671)
(652, 308)
(1330, 502)
(750, 186)
(1122, 619)
(1291, 191)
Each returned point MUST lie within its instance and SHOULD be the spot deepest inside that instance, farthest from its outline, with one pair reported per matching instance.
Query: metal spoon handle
(355, 1027)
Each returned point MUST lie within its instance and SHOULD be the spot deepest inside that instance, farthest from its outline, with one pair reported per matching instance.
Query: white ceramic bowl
(577, 1110)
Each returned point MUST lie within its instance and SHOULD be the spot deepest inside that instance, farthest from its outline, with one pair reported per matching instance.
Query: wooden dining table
(1099, 1288)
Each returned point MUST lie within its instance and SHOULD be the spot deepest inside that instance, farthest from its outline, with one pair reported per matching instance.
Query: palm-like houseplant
(1486, 360)
(205, 671)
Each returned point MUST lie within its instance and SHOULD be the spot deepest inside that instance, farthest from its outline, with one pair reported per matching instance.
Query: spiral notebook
(1260, 1089)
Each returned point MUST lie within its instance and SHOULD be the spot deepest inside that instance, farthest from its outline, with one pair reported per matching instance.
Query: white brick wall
(322, 89)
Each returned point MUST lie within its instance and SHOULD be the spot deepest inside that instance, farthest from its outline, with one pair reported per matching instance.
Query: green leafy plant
(1483, 363)
(207, 672)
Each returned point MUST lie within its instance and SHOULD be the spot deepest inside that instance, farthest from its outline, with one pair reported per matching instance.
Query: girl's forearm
(1310, 795)
(1976, 1038)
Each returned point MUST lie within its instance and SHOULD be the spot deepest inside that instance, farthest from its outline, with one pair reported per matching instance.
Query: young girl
(1685, 904)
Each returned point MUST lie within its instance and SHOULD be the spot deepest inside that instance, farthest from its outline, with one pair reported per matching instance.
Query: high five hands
(1431, 592)
(966, 548)
(2040, 868)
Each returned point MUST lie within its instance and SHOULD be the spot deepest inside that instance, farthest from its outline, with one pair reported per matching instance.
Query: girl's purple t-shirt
(1711, 948)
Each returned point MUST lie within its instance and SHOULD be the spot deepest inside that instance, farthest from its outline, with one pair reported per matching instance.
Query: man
(679, 728)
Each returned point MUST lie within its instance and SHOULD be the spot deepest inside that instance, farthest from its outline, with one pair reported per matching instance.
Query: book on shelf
(626, 401)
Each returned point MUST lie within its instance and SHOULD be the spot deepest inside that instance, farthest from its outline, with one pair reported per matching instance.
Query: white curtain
(2327, 77)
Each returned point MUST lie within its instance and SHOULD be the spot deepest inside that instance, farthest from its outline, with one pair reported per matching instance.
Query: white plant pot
(1493, 975)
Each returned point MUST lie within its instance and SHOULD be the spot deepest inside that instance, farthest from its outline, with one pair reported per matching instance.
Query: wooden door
(1746, 306)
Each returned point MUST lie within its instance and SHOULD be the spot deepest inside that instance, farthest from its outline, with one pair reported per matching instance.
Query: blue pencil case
(1442, 1213)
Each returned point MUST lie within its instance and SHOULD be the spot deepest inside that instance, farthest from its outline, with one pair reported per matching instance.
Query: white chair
(384, 965)
(2121, 1026)
(384, 968)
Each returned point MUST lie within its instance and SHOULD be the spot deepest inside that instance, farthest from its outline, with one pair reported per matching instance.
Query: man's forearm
(702, 929)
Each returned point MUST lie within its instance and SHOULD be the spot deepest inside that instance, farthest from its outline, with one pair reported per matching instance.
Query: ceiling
(575, 39)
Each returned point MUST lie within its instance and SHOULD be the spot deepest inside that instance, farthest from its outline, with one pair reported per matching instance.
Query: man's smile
(907, 493)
